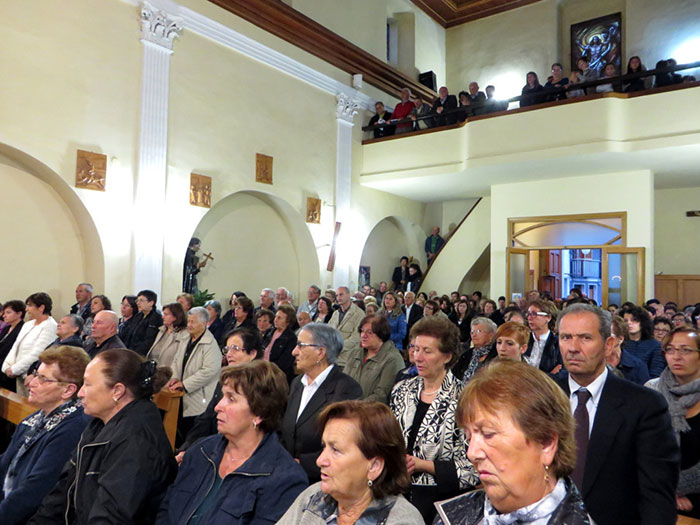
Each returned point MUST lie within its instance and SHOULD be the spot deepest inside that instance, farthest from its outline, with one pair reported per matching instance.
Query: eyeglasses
(536, 314)
(477, 332)
(304, 345)
(231, 348)
(44, 379)
(368, 333)
(683, 351)
(661, 330)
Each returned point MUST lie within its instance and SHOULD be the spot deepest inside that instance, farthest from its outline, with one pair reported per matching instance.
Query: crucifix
(207, 257)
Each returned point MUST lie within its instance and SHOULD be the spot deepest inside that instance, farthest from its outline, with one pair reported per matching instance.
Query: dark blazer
(633, 459)
(142, 338)
(415, 316)
(384, 131)
(551, 356)
(301, 437)
(281, 353)
(450, 104)
(92, 348)
(217, 329)
(396, 278)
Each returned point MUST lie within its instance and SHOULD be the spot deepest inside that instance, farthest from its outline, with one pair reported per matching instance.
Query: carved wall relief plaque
(263, 168)
(91, 170)
(313, 210)
(200, 190)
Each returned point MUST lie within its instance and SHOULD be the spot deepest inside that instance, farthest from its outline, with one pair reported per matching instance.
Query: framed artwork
(263, 168)
(313, 210)
(599, 40)
(200, 190)
(363, 278)
(91, 171)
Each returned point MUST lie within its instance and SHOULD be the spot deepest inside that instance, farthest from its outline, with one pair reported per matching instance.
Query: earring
(115, 400)
(255, 425)
(546, 473)
(369, 483)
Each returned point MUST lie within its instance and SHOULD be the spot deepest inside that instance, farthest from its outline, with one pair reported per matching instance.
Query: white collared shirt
(538, 348)
(310, 389)
(408, 311)
(596, 390)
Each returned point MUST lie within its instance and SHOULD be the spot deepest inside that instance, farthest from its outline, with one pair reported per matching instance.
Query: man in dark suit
(320, 384)
(414, 313)
(627, 455)
(380, 117)
(443, 104)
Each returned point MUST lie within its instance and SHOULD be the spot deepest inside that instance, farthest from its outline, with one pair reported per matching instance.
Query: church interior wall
(676, 237)
(385, 245)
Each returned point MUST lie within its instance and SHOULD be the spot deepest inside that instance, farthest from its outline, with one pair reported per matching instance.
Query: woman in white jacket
(35, 336)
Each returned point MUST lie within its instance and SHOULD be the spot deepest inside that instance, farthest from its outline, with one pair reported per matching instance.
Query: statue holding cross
(193, 265)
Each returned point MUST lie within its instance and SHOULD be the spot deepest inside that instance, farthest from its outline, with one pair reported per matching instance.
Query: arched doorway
(258, 240)
(51, 242)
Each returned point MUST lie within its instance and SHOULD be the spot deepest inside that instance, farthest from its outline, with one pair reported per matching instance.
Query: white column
(158, 30)
(346, 111)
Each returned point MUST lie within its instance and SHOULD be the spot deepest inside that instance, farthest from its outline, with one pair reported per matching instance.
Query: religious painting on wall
(263, 168)
(200, 190)
(91, 171)
(363, 279)
(313, 210)
(599, 40)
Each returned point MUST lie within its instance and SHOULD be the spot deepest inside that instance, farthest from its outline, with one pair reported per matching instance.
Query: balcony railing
(585, 268)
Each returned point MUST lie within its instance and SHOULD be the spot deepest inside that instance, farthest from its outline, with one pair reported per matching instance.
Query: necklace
(228, 454)
(425, 393)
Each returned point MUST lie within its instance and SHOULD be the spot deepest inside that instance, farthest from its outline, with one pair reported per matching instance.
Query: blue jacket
(649, 352)
(257, 493)
(398, 329)
(633, 369)
(39, 467)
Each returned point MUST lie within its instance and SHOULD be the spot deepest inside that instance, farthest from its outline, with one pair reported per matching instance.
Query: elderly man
(283, 296)
(267, 300)
(476, 99)
(347, 319)
(379, 294)
(310, 306)
(43, 442)
(445, 103)
(83, 296)
(421, 110)
(433, 244)
(303, 319)
(628, 459)
(148, 321)
(483, 331)
(104, 333)
(414, 313)
(403, 110)
(68, 331)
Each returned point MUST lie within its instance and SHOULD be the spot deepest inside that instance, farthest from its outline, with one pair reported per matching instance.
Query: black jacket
(118, 474)
(551, 357)
(396, 278)
(301, 437)
(449, 105)
(145, 333)
(281, 353)
(92, 348)
(127, 328)
(415, 316)
(205, 423)
(384, 131)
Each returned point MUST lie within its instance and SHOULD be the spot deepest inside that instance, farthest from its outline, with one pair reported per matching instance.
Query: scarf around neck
(680, 398)
(535, 514)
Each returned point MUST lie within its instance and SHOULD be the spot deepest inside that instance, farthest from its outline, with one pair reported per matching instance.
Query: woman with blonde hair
(391, 309)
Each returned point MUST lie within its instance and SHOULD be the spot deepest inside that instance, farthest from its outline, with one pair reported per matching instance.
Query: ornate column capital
(159, 27)
(347, 107)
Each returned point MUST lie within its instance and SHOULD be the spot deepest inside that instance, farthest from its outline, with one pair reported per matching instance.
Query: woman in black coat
(283, 341)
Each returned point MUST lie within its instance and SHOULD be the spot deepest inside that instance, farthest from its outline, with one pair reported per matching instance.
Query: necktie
(581, 435)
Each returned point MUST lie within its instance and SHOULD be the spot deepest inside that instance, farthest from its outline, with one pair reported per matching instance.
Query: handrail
(427, 270)
(618, 80)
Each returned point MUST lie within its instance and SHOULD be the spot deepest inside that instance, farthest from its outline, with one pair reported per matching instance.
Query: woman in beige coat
(171, 337)
(196, 368)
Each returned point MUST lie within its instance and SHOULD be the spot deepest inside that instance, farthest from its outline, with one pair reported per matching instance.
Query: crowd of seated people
(381, 405)
(447, 109)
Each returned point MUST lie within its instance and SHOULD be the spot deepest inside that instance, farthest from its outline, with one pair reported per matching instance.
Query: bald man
(104, 333)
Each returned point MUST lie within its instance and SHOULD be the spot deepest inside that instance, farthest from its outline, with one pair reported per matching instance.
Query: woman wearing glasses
(319, 384)
(680, 385)
(543, 348)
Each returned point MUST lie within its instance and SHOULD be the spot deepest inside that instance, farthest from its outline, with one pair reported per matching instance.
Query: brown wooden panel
(690, 291)
(169, 402)
(289, 24)
(450, 13)
(13, 407)
(666, 289)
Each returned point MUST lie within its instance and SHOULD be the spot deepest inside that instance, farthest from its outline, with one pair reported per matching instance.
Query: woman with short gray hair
(319, 384)
(196, 368)
(215, 324)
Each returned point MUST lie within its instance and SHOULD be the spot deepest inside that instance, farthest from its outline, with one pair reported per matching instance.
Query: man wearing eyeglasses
(43, 442)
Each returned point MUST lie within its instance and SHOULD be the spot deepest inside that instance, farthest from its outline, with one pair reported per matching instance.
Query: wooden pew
(685, 520)
(14, 408)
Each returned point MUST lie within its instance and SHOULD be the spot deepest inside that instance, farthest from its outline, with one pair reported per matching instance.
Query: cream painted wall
(677, 237)
(43, 242)
(631, 192)
(453, 212)
(479, 276)
(71, 75)
(385, 245)
(502, 48)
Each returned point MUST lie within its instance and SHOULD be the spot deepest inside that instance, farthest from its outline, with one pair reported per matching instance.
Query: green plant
(202, 297)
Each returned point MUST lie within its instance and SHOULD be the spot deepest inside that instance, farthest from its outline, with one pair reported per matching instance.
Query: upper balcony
(657, 130)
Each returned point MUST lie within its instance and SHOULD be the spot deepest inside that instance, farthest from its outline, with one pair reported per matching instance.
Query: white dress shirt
(538, 348)
(310, 388)
(596, 390)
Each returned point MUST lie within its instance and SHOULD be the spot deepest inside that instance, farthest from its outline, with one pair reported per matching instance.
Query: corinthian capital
(158, 27)
(347, 107)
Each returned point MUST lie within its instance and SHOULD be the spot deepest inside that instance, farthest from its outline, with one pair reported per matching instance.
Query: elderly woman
(363, 470)
(264, 321)
(679, 383)
(511, 341)
(243, 474)
(214, 325)
(13, 316)
(228, 318)
(282, 341)
(97, 304)
(196, 367)
(35, 335)
(521, 441)
(391, 309)
(321, 382)
(123, 464)
(425, 408)
(243, 313)
(44, 441)
(172, 336)
(483, 331)
(376, 362)
(242, 346)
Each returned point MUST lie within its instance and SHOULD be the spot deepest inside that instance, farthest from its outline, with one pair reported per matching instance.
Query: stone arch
(389, 239)
(54, 240)
(259, 240)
